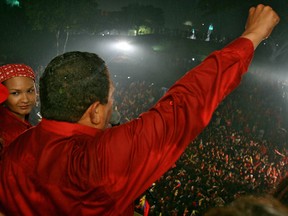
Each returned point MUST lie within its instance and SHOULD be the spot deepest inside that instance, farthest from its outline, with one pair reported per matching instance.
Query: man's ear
(95, 114)
(92, 116)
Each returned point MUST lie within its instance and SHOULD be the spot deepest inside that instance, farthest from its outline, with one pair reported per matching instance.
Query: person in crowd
(72, 164)
(251, 206)
(19, 81)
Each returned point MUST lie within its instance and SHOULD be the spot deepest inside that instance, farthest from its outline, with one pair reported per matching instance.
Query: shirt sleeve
(137, 153)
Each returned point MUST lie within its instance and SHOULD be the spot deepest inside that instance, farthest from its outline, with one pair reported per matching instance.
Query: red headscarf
(15, 70)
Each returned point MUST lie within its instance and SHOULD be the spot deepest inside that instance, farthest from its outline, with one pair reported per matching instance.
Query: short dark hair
(72, 82)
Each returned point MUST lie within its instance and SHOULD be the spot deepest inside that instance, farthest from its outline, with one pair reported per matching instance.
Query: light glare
(124, 46)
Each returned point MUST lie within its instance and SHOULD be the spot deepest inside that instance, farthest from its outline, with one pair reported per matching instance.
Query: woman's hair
(71, 83)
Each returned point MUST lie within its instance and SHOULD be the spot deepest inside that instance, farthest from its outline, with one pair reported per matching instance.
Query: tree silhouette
(62, 17)
(134, 16)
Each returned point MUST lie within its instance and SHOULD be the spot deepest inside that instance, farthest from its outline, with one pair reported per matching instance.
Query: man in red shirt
(72, 164)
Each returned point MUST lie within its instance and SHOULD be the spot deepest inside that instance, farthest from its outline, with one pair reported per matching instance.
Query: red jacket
(11, 126)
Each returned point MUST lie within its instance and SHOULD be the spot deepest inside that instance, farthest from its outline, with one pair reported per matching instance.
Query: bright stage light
(123, 46)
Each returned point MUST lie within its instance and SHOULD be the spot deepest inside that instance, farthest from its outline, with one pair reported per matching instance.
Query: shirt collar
(67, 128)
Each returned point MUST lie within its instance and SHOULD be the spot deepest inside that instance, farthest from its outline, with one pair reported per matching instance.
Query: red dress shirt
(11, 126)
(60, 168)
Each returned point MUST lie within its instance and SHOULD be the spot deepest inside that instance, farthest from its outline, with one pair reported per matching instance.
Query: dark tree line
(22, 25)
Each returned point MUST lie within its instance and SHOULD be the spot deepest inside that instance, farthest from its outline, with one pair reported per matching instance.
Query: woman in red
(19, 80)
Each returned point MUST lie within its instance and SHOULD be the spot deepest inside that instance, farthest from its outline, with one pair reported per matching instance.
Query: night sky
(173, 10)
(116, 4)
(229, 15)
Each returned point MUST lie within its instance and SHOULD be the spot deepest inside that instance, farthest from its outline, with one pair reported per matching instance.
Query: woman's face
(22, 95)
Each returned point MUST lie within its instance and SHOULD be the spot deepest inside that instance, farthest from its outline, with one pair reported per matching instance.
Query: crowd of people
(244, 149)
